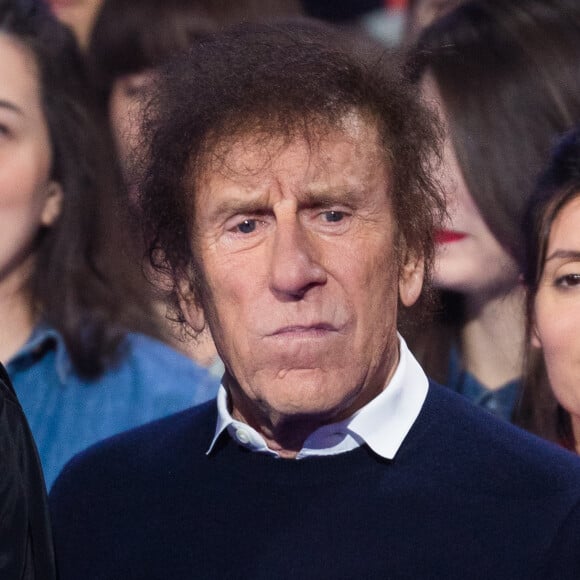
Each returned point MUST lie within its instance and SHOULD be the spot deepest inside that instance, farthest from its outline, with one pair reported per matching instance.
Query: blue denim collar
(43, 339)
(499, 402)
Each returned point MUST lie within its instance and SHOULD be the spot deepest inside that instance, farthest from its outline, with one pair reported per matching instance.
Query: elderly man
(290, 202)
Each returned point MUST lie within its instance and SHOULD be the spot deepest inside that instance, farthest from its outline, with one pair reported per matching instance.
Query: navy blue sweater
(467, 496)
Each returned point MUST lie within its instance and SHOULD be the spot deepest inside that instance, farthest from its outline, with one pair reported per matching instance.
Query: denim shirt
(499, 402)
(67, 413)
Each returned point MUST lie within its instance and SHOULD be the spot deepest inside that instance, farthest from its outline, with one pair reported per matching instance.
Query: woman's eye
(568, 280)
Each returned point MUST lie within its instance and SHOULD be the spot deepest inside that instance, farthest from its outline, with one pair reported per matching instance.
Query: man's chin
(308, 393)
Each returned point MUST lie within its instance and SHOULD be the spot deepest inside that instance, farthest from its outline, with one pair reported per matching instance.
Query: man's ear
(192, 311)
(52, 204)
(411, 276)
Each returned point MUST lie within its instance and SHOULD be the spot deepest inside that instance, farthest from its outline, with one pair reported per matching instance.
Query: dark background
(340, 10)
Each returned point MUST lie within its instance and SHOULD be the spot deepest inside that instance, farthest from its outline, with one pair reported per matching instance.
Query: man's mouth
(318, 330)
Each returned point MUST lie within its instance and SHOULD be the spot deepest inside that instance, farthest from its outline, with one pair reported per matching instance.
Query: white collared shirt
(382, 423)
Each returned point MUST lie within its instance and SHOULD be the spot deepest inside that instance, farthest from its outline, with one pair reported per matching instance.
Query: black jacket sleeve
(26, 551)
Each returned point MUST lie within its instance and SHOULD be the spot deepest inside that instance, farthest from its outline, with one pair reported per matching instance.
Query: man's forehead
(315, 148)
(344, 166)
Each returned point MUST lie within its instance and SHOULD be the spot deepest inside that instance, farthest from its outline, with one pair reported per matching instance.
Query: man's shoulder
(479, 443)
(153, 447)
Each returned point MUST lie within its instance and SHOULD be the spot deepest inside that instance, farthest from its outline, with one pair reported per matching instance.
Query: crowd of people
(280, 301)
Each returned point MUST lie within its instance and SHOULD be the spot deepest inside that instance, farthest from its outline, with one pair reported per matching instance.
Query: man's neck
(286, 433)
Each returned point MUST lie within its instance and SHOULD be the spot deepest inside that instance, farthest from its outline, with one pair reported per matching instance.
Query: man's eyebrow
(239, 206)
(11, 107)
(328, 196)
(564, 255)
(307, 198)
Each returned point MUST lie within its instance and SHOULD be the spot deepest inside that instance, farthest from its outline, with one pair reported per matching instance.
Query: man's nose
(294, 268)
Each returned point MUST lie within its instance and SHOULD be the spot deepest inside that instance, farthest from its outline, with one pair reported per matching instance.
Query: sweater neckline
(252, 466)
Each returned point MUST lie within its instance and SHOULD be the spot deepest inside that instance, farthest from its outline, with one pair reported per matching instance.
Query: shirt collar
(43, 339)
(499, 401)
(382, 424)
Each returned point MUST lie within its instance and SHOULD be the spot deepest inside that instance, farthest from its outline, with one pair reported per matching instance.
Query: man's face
(297, 245)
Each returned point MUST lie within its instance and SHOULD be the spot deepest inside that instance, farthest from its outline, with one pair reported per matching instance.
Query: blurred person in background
(550, 403)
(422, 13)
(505, 80)
(130, 40)
(79, 374)
(79, 15)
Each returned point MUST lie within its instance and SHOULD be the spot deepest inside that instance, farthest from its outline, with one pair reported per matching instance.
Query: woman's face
(29, 199)
(468, 259)
(79, 15)
(557, 308)
(426, 12)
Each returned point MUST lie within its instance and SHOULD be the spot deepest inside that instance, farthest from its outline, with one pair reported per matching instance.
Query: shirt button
(243, 436)
(492, 405)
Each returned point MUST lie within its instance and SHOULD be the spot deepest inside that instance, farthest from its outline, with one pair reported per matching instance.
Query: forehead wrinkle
(246, 155)
(262, 149)
(238, 197)
(253, 166)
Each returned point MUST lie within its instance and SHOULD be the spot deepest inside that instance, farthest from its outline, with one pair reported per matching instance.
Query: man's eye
(333, 216)
(247, 226)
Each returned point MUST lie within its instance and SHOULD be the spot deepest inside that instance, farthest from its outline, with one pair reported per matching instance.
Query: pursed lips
(317, 330)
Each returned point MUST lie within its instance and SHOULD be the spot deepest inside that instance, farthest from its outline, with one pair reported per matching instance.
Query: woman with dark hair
(505, 80)
(78, 15)
(131, 38)
(550, 401)
(80, 376)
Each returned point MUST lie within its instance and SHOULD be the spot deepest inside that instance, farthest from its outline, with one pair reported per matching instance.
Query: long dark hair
(537, 410)
(509, 77)
(68, 287)
(132, 36)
